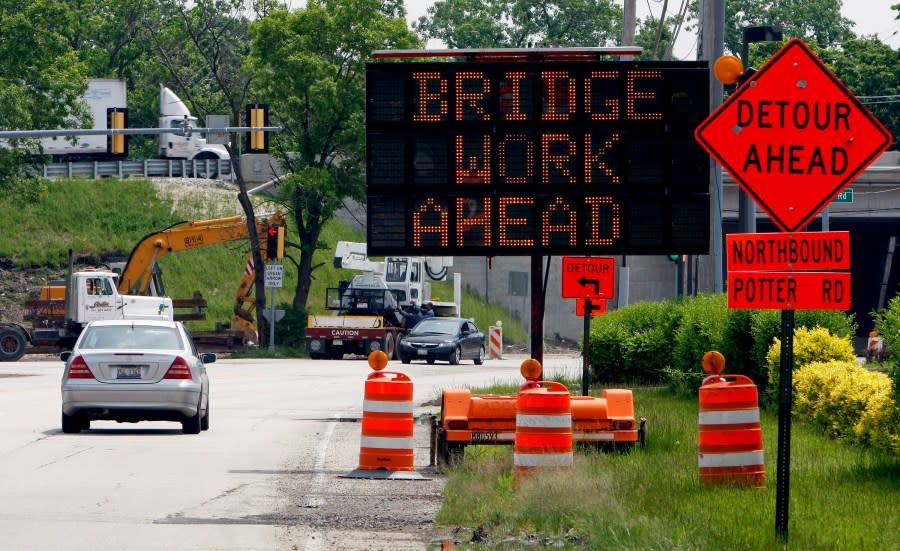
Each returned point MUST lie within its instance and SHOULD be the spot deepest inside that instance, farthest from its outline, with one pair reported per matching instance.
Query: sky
(870, 16)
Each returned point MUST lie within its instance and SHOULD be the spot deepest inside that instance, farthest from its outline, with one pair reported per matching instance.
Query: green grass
(840, 497)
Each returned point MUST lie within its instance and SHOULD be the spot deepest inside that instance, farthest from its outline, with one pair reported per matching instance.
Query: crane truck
(139, 277)
(108, 93)
(364, 315)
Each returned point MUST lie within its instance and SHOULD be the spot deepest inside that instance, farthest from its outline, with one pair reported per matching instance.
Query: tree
(310, 69)
(202, 46)
(521, 23)
(41, 78)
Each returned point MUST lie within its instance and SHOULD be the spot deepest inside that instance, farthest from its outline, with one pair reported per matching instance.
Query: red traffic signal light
(272, 242)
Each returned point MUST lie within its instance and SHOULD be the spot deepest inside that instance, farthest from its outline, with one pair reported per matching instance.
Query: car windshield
(130, 337)
(436, 327)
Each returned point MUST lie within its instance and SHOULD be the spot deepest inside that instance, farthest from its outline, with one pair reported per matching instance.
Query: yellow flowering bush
(810, 345)
(848, 401)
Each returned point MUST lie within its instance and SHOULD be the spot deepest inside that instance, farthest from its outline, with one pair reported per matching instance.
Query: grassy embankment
(101, 220)
(840, 497)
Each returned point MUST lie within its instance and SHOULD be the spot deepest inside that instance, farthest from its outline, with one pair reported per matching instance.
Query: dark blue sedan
(446, 339)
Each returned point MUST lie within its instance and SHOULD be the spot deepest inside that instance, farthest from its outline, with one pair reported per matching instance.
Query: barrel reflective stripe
(544, 421)
(729, 417)
(379, 406)
(543, 459)
(740, 459)
(385, 442)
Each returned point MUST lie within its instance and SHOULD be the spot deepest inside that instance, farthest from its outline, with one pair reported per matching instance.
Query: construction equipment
(140, 276)
(367, 317)
(58, 317)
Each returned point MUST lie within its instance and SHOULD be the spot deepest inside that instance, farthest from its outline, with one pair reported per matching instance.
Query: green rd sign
(793, 137)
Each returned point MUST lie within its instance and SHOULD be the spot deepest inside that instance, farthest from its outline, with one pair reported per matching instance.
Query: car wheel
(455, 356)
(71, 424)
(192, 424)
(480, 359)
(204, 423)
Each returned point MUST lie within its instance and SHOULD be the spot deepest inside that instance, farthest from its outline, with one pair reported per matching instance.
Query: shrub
(887, 323)
(701, 330)
(290, 331)
(848, 402)
(633, 343)
(766, 326)
(810, 345)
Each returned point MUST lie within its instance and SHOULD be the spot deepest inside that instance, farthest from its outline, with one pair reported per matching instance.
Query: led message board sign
(536, 158)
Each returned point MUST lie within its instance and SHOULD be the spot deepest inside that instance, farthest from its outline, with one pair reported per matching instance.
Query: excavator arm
(193, 234)
(138, 272)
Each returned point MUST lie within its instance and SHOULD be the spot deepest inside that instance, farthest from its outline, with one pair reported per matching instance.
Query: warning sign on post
(793, 137)
(588, 277)
(788, 251)
(789, 290)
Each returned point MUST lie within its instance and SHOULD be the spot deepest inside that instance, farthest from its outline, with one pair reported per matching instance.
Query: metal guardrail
(147, 168)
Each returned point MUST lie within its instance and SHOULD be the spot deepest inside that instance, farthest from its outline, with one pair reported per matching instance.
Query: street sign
(217, 121)
(597, 307)
(588, 277)
(845, 196)
(788, 251)
(274, 276)
(793, 136)
(789, 290)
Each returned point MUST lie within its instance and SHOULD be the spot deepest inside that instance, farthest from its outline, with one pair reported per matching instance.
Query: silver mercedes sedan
(130, 371)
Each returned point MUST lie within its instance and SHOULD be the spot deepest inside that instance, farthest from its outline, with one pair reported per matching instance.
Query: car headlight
(315, 345)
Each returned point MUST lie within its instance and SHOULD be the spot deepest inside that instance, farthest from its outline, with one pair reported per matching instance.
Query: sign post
(793, 138)
(274, 279)
(588, 279)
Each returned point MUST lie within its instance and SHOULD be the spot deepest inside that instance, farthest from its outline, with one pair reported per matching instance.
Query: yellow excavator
(140, 274)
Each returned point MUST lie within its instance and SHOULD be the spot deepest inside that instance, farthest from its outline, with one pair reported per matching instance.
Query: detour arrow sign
(793, 136)
(588, 277)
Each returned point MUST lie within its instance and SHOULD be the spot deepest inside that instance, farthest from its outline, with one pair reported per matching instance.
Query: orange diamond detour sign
(793, 137)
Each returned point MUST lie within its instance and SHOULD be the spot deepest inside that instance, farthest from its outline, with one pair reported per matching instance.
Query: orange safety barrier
(495, 342)
(468, 420)
(730, 439)
(387, 423)
(543, 427)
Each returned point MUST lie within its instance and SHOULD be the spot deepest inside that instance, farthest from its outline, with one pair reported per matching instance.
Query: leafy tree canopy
(521, 23)
(310, 67)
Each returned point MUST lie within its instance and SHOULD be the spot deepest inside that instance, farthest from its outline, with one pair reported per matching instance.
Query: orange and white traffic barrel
(387, 422)
(730, 438)
(543, 427)
(495, 341)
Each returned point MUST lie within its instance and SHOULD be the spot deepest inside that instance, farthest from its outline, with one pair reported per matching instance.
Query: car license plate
(337, 341)
(130, 372)
(422, 352)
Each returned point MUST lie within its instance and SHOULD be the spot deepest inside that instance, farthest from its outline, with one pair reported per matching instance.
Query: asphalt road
(266, 476)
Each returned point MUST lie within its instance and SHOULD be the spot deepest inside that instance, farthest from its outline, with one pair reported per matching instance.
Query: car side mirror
(64, 356)
(208, 357)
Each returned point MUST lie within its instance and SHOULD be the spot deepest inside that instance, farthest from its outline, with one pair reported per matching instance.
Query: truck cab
(174, 114)
(97, 298)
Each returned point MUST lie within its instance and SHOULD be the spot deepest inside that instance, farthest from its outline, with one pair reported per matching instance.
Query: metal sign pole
(783, 475)
(272, 324)
(586, 347)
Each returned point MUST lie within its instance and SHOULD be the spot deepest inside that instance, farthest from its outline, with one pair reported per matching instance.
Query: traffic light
(272, 242)
(257, 117)
(117, 119)
(279, 252)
